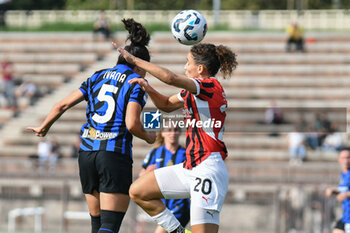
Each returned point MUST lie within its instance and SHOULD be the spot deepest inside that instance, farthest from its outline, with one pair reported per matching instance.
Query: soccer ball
(189, 27)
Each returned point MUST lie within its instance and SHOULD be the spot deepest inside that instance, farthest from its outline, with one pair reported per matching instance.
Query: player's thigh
(205, 228)
(145, 188)
(174, 182)
(209, 183)
(114, 201)
(88, 173)
(115, 172)
(93, 202)
(208, 191)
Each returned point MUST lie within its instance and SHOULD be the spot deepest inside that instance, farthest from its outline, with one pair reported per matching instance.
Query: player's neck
(172, 147)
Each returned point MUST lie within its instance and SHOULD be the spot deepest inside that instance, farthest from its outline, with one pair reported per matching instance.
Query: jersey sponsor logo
(206, 199)
(151, 120)
(210, 213)
(170, 163)
(97, 134)
(158, 160)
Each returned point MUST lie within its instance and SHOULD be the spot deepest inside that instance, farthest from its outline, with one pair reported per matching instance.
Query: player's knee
(95, 212)
(135, 193)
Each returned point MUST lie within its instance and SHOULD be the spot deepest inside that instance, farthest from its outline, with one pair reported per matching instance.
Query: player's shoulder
(157, 150)
(207, 82)
(181, 150)
(100, 71)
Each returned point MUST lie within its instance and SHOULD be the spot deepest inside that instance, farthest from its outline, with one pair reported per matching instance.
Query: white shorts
(206, 185)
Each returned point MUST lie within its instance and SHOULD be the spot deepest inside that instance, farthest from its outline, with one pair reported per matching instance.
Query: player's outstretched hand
(40, 132)
(128, 57)
(142, 82)
(341, 197)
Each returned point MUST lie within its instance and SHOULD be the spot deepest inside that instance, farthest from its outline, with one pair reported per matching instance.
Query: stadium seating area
(59, 62)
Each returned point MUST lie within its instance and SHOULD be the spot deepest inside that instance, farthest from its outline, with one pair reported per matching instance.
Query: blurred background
(287, 119)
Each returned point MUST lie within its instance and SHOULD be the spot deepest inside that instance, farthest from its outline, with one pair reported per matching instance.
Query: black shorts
(105, 171)
(340, 225)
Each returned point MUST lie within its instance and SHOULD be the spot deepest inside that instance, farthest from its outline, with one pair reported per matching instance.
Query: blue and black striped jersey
(343, 187)
(162, 158)
(107, 93)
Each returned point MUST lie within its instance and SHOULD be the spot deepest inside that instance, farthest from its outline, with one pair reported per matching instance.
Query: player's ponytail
(227, 60)
(137, 33)
(215, 58)
(139, 38)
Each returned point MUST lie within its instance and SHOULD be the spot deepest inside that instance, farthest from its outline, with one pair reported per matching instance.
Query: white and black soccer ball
(189, 27)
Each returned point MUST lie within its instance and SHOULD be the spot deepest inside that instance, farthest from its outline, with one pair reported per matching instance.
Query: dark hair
(139, 38)
(215, 58)
(346, 148)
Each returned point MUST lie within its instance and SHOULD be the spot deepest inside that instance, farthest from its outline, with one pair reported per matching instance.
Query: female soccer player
(113, 116)
(342, 192)
(203, 177)
(166, 152)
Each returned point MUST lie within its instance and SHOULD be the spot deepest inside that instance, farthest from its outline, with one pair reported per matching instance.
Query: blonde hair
(159, 140)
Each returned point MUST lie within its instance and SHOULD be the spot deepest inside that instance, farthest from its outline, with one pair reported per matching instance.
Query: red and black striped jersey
(205, 113)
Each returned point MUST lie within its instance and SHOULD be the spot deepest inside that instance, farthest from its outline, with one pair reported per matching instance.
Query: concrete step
(259, 47)
(295, 58)
(45, 79)
(54, 37)
(43, 57)
(280, 70)
(99, 48)
(255, 37)
(285, 81)
(65, 69)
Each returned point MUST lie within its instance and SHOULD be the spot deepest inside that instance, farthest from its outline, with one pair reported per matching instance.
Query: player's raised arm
(134, 125)
(163, 74)
(162, 102)
(55, 113)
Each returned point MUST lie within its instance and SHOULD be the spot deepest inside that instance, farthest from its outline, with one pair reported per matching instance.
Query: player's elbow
(170, 78)
(132, 129)
(61, 107)
(167, 109)
(132, 125)
(165, 106)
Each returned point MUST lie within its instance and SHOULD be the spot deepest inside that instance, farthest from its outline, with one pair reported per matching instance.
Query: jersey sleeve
(84, 89)
(138, 95)
(205, 88)
(182, 95)
(181, 156)
(149, 159)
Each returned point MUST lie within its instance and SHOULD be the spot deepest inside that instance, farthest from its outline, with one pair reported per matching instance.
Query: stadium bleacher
(258, 163)
(61, 61)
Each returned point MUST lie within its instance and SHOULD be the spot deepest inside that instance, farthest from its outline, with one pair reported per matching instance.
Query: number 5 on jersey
(102, 96)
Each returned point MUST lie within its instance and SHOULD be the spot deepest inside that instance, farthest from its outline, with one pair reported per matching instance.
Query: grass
(88, 27)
